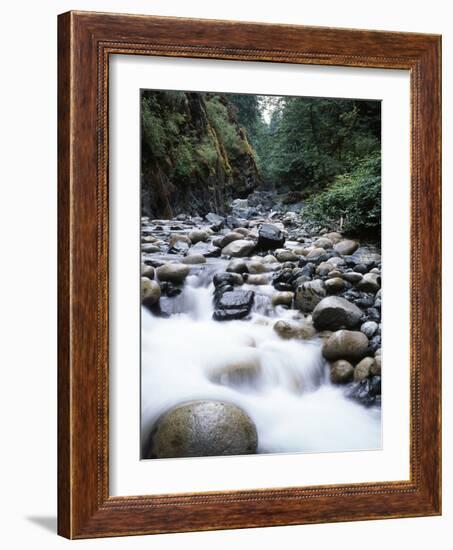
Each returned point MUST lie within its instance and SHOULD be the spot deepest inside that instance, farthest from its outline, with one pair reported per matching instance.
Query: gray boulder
(309, 295)
(233, 304)
(363, 369)
(270, 237)
(203, 428)
(284, 298)
(333, 313)
(194, 259)
(150, 292)
(346, 247)
(341, 372)
(371, 282)
(173, 273)
(239, 248)
(198, 235)
(289, 330)
(323, 242)
(369, 328)
(334, 285)
(345, 344)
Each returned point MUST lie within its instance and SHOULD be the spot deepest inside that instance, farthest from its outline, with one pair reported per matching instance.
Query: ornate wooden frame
(85, 41)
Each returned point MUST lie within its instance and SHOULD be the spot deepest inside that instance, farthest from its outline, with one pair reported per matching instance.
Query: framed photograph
(249, 275)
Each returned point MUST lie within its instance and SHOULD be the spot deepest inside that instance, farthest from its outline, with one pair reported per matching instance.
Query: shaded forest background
(322, 155)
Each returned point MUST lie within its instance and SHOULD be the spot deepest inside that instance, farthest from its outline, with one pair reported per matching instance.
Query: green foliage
(207, 155)
(224, 127)
(153, 130)
(354, 198)
(309, 141)
(183, 158)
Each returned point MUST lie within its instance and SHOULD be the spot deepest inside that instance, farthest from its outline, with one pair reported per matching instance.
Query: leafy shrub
(184, 163)
(354, 198)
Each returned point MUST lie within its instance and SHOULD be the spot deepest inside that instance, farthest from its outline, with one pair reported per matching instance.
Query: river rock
(243, 231)
(323, 242)
(309, 295)
(366, 257)
(234, 304)
(237, 266)
(369, 328)
(324, 268)
(376, 367)
(270, 237)
(150, 248)
(194, 259)
(363, 369)
(173, 273)
(197, 235)
(216, 221)
(257, 279)
(148, 271)
(352, 277)
(177, 237)
(291, 329)
(239, 248)
(242, 373)
(334, 285)
(334, 237)
(256, 267)
(315, 253)
(180, 247)
(284, 255)
(346, 247)
(371, 282)
(269, 259)
(283, 299)
(229, 238)
(345, 344)
(334, 312)
(150, 292)
(208, 250)
(227, 278)
(203, 428)
(341, 372)
(337, 261)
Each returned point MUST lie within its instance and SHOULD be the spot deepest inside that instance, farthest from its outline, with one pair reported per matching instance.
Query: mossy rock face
(203, 428)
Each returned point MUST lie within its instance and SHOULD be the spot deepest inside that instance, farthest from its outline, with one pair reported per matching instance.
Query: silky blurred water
(291, 400)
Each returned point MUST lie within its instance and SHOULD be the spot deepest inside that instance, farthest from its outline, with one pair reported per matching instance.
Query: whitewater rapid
(292, 402)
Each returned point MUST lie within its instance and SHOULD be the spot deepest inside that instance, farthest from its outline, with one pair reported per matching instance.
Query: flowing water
(290, 398)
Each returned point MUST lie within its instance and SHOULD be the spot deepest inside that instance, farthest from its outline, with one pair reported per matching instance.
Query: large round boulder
(203, 428)
(239, 248)
(173, 273)
(333, 313)
(345, 344)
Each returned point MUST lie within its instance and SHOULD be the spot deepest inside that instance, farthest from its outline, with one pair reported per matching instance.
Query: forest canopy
(324, 153)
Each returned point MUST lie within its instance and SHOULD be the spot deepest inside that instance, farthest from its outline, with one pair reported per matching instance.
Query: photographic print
(260, 274)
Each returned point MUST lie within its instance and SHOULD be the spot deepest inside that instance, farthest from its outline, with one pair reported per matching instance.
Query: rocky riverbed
(259, 334)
